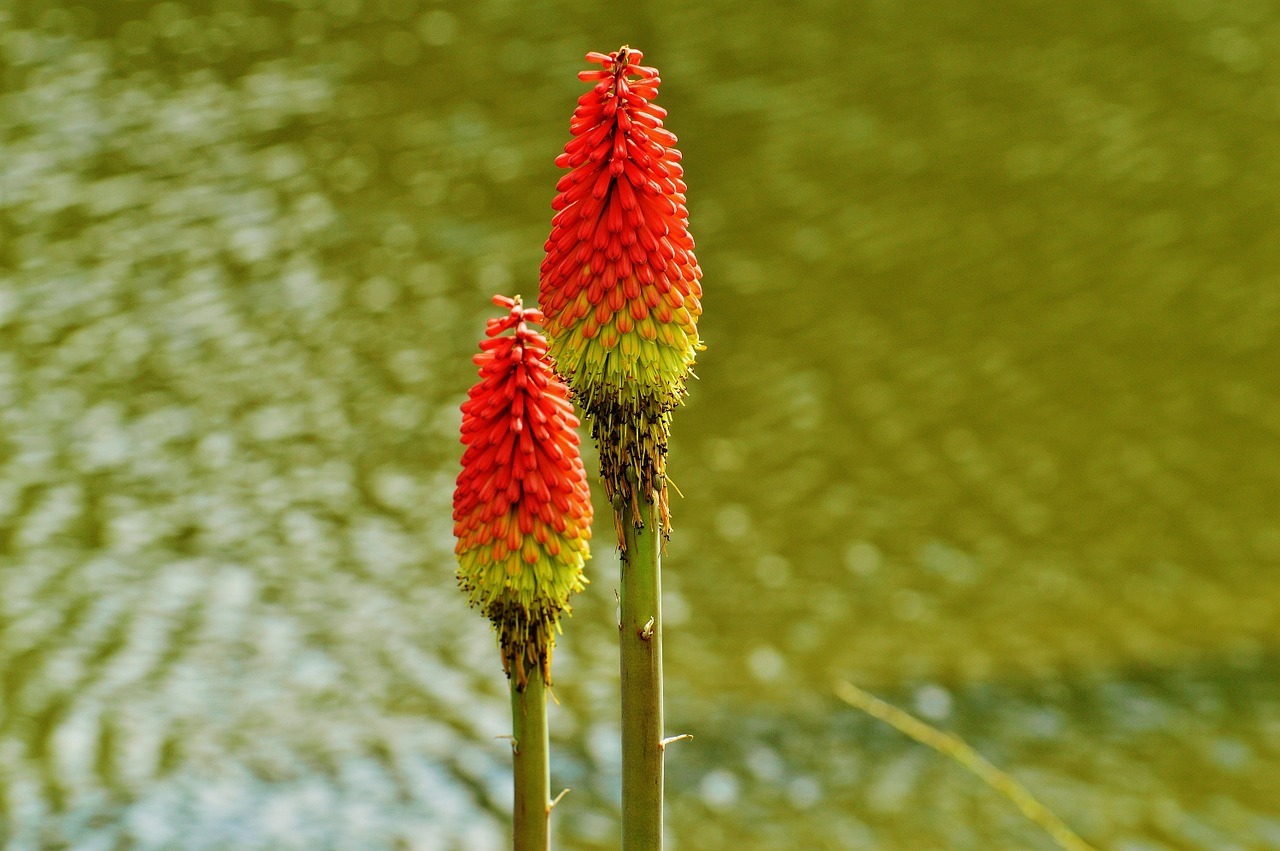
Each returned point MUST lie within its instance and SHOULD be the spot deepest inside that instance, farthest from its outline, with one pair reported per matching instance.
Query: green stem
(641, 642)
(531, 766)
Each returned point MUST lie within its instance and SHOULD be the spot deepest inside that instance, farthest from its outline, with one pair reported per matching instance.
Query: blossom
(521, 510)
(620, 282)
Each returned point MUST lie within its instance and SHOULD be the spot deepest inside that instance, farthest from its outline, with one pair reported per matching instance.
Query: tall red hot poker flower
(521, 510)
(620, 283)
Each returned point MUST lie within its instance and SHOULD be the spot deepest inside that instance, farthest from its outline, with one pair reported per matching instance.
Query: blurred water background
(989, 422)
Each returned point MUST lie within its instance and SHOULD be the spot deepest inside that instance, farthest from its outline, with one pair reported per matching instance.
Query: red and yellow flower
(620, 282)
(521, 510)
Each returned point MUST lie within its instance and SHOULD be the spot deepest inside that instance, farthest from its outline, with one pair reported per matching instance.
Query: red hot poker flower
(521, 510)
(620, 282)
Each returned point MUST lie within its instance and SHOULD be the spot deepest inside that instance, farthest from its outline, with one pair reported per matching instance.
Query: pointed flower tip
(619, 58)
(522, 511)
(519, 317)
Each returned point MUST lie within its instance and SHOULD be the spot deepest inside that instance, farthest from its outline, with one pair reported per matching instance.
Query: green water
(989, 421)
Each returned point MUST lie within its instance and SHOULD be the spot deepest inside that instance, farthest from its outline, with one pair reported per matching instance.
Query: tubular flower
(521, 510)
(620, 283)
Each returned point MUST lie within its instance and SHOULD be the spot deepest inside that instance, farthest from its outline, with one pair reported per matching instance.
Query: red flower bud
(521, 510)
(620, 284)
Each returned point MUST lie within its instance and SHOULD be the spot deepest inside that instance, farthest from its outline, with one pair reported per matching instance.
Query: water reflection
(988, 422)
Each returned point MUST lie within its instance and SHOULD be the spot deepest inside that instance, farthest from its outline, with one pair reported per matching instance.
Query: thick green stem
(641, 642)
(531, 765)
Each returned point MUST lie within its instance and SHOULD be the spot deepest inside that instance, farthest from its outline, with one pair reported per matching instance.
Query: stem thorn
(556, 800)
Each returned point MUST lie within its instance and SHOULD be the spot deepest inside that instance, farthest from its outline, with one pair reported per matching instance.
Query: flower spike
(620, 282)
(521, 510)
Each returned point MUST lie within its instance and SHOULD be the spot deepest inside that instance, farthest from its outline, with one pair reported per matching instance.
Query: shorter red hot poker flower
(521, 510)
